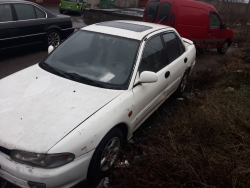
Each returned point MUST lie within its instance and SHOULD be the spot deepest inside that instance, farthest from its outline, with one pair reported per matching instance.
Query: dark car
(23, 23)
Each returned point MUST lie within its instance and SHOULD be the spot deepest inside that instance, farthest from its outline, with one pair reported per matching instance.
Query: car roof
(127, 29)
(10, 1)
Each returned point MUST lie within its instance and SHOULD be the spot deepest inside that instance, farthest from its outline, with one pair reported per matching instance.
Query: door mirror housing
(148, 77)
(50, 49)
(223, 26)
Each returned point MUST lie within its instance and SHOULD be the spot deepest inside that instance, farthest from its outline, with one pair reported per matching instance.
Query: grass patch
(199, 142)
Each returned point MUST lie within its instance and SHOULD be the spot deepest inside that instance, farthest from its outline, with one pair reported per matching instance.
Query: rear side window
(181, 46)
(25, 12)
(172, 46)
(152, 9)
(165, 11)
(5, 13)
(214, 20)
(39, 13)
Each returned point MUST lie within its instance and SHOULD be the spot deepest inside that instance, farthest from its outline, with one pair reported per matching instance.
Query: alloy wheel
(110, 153)
(54, 39)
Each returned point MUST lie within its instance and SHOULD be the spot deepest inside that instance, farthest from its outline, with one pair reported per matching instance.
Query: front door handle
(167, 74)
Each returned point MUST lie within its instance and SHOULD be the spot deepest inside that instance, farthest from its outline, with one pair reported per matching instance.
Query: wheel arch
(124, 128)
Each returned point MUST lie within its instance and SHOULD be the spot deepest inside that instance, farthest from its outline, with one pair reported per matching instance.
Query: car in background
(72, 6)
(23, 23)
(65, 119)
(194, 20)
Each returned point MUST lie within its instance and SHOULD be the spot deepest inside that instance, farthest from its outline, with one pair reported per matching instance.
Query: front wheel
(53, 38)
(224, 47)
(105, 155)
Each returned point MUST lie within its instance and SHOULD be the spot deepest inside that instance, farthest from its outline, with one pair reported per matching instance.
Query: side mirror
(148, 77)
(224, 26)
(50, 49)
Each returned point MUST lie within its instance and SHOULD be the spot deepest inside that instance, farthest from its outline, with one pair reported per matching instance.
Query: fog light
(36, 185)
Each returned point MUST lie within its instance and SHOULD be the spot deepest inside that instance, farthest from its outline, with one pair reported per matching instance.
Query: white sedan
(65, 119)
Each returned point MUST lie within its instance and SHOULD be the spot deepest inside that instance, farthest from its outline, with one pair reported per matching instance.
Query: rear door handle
(167, 74)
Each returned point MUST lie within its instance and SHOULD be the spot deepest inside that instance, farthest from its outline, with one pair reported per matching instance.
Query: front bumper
(63, 177)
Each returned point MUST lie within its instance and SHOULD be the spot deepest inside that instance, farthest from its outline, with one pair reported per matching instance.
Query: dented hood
(37, 108)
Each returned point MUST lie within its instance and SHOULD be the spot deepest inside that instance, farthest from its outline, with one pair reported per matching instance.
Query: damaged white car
(65, 119)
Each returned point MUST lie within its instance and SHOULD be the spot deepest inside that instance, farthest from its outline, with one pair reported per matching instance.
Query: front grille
(4, 150)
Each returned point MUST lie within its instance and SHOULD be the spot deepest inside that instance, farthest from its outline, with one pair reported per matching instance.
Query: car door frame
(139, 116)
(13, 39)
(181, 59)
(35, 37)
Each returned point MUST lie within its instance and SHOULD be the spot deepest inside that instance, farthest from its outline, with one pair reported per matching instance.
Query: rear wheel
(53, 38)
(105, 155)
(224, 47)
(182, 85)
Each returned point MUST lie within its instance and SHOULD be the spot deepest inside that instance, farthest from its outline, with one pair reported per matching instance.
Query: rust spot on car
(130, 113)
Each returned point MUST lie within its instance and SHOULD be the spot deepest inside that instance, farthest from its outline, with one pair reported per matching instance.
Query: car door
(8, 31)
(149, 96)
(31, 23)
(214, 32)
(177, 57)
(164, 13)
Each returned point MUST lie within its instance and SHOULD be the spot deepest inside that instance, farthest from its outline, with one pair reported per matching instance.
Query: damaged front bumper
(26, 176)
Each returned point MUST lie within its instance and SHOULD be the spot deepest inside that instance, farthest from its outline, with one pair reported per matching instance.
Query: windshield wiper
(55, 70)
(79, 77)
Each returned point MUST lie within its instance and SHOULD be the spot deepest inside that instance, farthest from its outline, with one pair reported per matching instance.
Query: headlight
(42, 160)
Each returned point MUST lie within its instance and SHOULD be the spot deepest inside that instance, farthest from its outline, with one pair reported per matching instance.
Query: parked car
(72, 6)
(23, 23)
(197, 21)
(65, 119)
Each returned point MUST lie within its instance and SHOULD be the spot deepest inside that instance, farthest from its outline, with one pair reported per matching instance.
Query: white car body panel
(60, 106)
(76, 122)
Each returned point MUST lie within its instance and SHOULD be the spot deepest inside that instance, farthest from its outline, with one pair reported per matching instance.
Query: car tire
(81, 12)
(182, 86)
(224, 47)
(105, 155)
(53, 38)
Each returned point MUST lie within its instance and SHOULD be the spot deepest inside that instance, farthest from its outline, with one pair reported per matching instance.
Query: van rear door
(164, 12)
(156, 12)
(151, 11)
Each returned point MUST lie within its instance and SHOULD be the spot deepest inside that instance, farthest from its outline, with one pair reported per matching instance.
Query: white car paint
(66, 121)
(36, 104)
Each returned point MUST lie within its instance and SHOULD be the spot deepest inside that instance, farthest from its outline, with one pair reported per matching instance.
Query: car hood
(38, 109)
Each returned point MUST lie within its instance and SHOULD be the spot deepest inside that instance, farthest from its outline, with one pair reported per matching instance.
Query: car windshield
(96, 59)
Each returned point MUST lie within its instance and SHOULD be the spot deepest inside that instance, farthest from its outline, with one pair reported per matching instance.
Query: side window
(25, 11)
(39, 13)
(152, 9)
(214, 20)
(153, 58)
(165, 11)
(181, 46)
(5, 13)
(172, 46)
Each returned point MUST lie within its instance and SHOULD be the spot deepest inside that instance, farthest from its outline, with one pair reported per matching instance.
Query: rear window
(152, 9)
(165, 10)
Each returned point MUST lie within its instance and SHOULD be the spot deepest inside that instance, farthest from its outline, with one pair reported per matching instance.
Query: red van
(197, 21)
